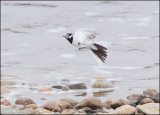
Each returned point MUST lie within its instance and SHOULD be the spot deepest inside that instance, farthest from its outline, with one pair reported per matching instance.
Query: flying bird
(83, 40)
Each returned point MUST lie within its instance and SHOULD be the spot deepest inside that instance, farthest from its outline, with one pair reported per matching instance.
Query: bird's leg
(81, 48)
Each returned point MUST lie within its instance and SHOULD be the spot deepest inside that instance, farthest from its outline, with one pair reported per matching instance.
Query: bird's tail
(99, 51)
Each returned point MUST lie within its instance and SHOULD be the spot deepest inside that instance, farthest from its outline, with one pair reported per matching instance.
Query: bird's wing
(85, 34)
(90, 34)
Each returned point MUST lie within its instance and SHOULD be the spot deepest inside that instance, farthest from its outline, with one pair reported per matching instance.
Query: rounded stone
(24, 101)
(118, 102)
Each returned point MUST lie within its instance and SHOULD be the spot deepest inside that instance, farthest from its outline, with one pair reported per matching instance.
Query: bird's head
(69, 37)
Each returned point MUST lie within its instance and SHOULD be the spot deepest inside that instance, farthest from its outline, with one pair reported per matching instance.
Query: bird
(82, 39)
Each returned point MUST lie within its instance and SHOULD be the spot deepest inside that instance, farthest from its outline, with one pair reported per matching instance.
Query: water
(34, 50)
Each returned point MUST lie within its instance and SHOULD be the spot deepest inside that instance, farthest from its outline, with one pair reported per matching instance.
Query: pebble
(125, 109)
(32, 106)
(146, 100)
(101, 84)
(24, 101)
(57, 86)
(149, 108)
(68, 111)
(77, 86)
(118, 102)
(41, 111)
(107, 103)
(57, 106)
(153, 94)
(92, 102)
(133, 97)
(70, 101)
(5, 102)
(150, 92)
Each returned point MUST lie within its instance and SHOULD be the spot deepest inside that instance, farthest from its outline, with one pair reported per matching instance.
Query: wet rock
(68, 111)
(125, 109)
(133, 97)
(140, 98)
(7, 83)
(92, 102)
(118, 102)
(146, 100)
(32, 106)
(98, 111)
(45, 89)
(153, 94)
(107, 103)
(101, 84)
(86, 109)
(50, 105)
(57, 86)
(133, 103)
(65, 88)
(77, 86)
(57, 106)
(70, 101)
(149, 108)
(24, 101)
(80, 112)
(40, 111)
(150, 92)
(5, 102)
(5, 90)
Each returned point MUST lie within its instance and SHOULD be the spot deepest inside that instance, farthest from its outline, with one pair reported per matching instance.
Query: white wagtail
(83, 40)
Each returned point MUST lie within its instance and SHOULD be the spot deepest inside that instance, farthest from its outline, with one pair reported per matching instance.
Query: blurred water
(32, 47)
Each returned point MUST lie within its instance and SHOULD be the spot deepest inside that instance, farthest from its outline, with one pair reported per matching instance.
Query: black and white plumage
(83, 40)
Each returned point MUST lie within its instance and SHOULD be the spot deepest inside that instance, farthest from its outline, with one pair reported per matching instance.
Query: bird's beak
(63, 36)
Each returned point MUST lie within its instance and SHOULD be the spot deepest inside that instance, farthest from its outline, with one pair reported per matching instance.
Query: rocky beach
(41, 73)
(146, 103)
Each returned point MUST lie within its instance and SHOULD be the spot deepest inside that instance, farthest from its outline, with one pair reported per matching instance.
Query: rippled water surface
(34, 50)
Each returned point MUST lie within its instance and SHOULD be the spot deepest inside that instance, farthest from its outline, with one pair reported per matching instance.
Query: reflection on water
(102, 93)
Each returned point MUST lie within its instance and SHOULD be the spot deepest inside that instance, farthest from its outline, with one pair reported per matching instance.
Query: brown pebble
(5, 102)
(146, 100)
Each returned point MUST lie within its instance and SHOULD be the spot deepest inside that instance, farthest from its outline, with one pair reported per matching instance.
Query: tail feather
(100, 52)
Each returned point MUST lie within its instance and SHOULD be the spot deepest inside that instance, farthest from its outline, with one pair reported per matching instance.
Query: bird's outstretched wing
(85, 34)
